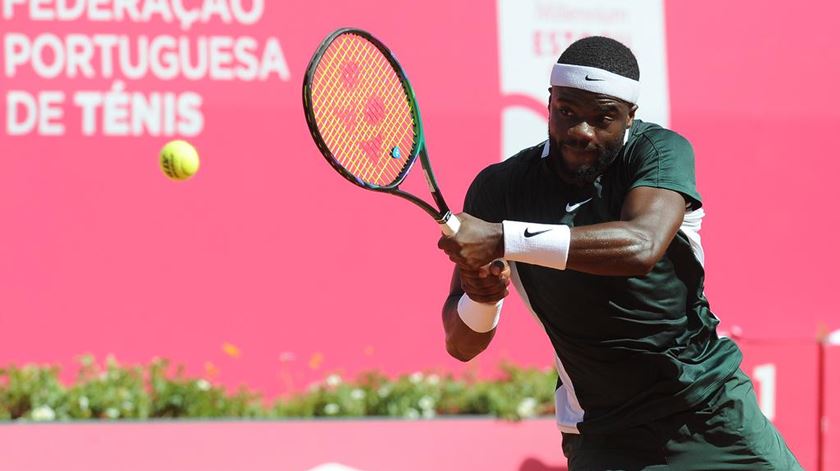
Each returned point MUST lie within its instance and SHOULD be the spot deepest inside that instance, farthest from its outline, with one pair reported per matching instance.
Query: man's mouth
(579, 151)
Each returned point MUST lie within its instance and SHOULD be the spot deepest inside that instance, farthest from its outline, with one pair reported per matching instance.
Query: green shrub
(113, 391)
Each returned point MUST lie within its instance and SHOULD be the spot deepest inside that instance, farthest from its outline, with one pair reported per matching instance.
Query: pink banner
(268, 269)
(266, 248)
(329, 445)
(830, 423)
(265, 266)
(785, 376)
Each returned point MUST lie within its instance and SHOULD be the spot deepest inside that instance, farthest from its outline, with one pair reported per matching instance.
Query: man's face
(586, 131)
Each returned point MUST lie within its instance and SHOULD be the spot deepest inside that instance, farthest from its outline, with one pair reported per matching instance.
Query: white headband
(593, 79)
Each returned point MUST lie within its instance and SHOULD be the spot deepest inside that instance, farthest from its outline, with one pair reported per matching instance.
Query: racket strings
(362, 111)
(358, 79)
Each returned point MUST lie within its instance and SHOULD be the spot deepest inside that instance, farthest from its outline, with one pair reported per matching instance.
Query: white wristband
(480, 317)
(546, 245)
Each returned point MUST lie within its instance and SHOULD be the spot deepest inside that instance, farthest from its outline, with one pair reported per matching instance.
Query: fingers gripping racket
(364, 118)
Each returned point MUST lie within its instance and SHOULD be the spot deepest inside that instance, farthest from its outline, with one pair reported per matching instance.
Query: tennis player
(599, 224)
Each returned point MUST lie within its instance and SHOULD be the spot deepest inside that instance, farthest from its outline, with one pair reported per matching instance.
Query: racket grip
(450, 225)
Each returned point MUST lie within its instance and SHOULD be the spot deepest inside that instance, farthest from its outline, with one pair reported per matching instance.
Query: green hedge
(114, 391)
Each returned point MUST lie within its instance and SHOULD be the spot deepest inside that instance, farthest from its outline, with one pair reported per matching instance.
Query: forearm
(631, 246)
(611, 249)
(617, 248)
(462, 342)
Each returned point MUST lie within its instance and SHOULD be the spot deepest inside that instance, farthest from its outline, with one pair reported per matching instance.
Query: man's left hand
(476, 244)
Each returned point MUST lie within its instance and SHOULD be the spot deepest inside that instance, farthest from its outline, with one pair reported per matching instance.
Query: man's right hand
(488, 284)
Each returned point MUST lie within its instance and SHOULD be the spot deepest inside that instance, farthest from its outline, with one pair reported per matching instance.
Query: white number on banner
(765, 376)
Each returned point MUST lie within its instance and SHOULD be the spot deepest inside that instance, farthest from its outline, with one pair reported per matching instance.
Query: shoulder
(489, 190)
(660, 158)
(655, 139)
(520, 163)
(502, 174)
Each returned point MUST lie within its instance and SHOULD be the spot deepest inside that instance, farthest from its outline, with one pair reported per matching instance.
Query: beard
(585, 174)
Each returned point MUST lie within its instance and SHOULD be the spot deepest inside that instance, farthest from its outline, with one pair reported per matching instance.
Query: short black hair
(603, 53)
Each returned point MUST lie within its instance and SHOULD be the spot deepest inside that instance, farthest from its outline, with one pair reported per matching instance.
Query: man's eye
(606, 119)
(566, 111)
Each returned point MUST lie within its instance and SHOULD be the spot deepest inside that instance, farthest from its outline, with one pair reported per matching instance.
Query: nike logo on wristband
(574, 207)
(532, 234)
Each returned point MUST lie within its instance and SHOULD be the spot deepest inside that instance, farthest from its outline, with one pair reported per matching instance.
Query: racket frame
(441, 214)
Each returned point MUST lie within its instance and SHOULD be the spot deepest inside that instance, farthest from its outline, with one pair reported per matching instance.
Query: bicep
(657, 212)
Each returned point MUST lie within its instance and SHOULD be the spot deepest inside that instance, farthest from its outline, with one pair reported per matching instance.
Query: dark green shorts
(728, 433)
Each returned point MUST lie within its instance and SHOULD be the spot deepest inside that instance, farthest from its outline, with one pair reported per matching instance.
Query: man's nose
(582, 132)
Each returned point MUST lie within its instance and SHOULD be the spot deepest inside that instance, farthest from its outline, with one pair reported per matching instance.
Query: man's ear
(631, 116)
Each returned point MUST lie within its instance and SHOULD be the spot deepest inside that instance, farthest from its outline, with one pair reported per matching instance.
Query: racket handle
(449, 225)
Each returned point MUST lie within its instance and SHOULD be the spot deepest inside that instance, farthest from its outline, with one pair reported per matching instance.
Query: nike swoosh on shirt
(573, 207)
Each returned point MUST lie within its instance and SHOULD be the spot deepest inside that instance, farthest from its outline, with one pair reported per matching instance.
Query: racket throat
(449, 224)
(435, 192)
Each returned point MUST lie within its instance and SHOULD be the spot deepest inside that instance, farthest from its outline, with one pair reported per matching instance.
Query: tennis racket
(363, 116)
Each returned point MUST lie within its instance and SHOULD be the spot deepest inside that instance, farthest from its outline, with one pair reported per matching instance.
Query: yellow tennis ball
(179, 160)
